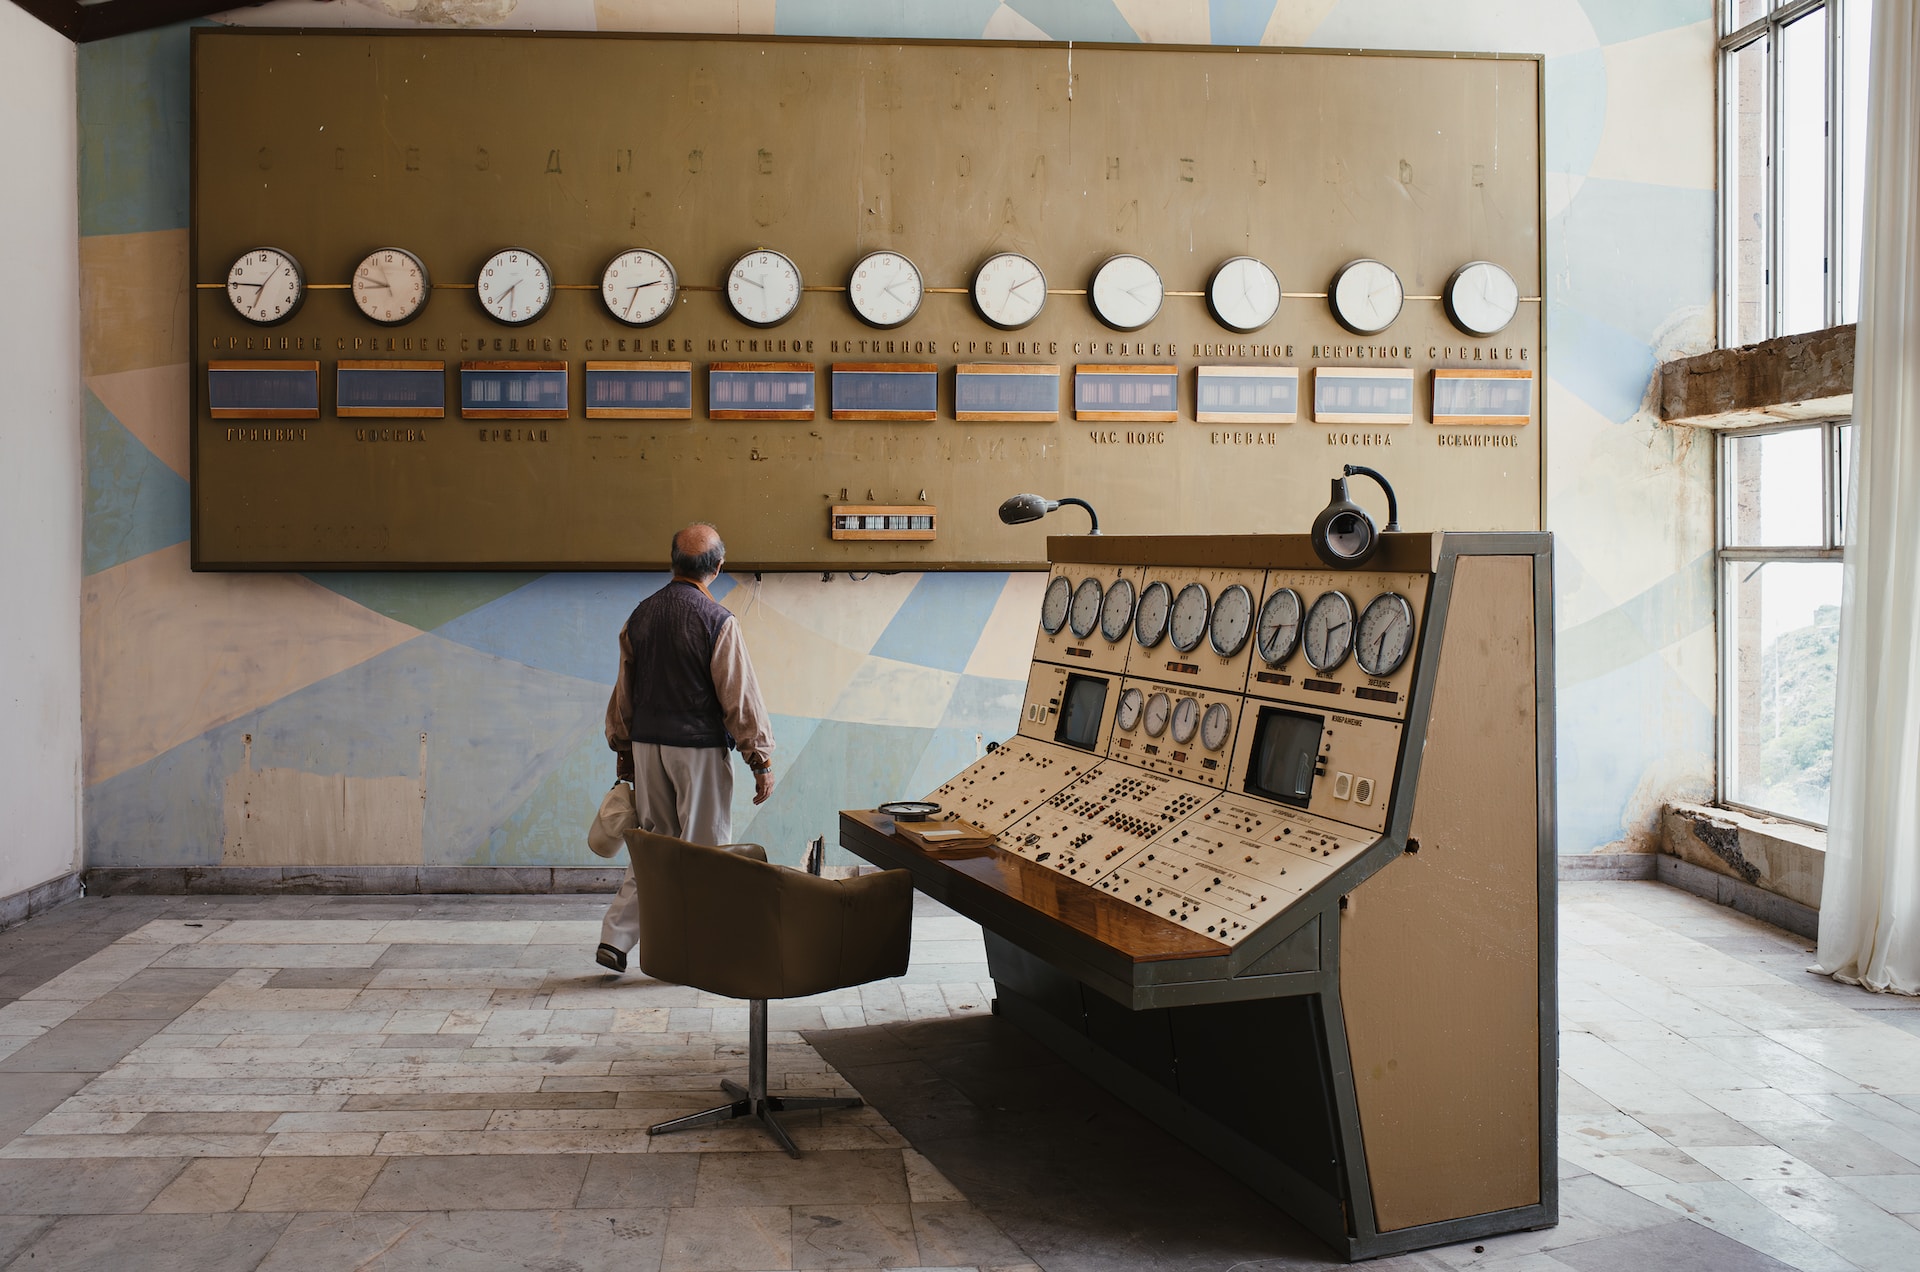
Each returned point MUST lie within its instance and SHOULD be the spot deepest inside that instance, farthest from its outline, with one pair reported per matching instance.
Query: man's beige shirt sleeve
(619, 727)
(740, 701)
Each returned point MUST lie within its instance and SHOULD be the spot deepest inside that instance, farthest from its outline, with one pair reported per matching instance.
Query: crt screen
(1284, 751)
(1080, 709)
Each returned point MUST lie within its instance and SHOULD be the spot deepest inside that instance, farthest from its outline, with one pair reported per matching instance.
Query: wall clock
(390, 285)
(639, 287)
(885, 289)
(763, 288)
(1365, 296)
(1126, 292)
(1009, 290)
(1481, 298)
(266, 286)
(1244, 294)
(515, 286)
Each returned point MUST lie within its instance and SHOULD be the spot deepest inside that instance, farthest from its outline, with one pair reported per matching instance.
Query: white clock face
(763, 287)
(1190, 612)
(885, 289)
(1154, 716)
(390, 286)
(1216, 725)
(1150, 615)
(1365, 296)
(1086, 607)
(1009, 290)
(1126, 292)
(1481, 298)
(1329, 633)
(515, 286)
(1386, 635)
(1232, 621)
(1116, 612)
(266, 286)
(1186, 720)
(1244, 294)
(1056, 603)
(1127, 715)
(639, 287)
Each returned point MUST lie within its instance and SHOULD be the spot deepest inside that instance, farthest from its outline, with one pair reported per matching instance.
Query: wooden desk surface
(1126, 930)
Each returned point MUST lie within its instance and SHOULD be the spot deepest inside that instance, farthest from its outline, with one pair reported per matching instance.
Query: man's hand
(762, 786)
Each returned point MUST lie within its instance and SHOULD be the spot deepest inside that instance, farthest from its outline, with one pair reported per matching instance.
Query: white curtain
(1870, 908)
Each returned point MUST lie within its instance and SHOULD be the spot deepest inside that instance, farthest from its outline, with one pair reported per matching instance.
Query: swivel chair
(726, 921)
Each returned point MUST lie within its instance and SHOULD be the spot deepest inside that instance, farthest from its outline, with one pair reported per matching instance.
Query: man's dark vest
(672, 634)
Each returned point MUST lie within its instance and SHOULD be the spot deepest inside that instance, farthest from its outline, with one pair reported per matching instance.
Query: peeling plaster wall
(39, 435)
(883, 687)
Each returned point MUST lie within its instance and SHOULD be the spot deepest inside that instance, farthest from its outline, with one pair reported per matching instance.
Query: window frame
(1728, 558)
(1836, 240)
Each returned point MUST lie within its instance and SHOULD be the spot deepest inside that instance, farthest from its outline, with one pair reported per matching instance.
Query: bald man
(685, 698)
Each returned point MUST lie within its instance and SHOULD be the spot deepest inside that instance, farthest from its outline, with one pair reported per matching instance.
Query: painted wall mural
(455, 719)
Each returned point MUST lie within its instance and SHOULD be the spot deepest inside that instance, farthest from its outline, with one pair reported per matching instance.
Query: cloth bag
(606, 833)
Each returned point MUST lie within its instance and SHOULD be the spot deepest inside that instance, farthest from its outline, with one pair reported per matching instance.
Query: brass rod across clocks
(931, 291)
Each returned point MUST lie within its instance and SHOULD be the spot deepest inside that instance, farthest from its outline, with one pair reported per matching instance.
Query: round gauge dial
(763, 288)
(885, 289)
(1116, 612)
(1127, 714)
(1481, 298)
(265, 286)
(1150, 616)
(639, 287)
(1186, 720)
(1009, 290)
(1190, 617)
(1329, 631)
(1365, 296)
(1054, 606)
(1158, 708)
(515, 287)
(1278, 634)
(1386, 634)
(1086, 607)
(1126, 292)
(1215, 726)
(390, 285)
(1244, 294)
(1232, 621)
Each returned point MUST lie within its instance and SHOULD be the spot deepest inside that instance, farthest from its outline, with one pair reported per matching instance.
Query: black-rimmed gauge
(390, 286)
(1215, 726)
(1190, 613)
(1278, 632)
(909, 810)
(1127, 714)
(514, 286)
(1150, 615)
(1154, 717)
(885, 289)
(1126, 292)
(638, 287)
(1116, 612)
(1186, 720)
(1086, 608)
(1386, 634)
(1329, 631)
(265, 286)
(1054, 607)
(1244, 294)
(1232, 621)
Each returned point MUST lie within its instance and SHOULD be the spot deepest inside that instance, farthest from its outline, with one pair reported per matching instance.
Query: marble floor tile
(473, 1182)
(728, 1238)
(470, 1241)
(84, 1186)
(1896, 1194)
(80, 1046)
(310, 1183)
(1739, 1163)
(1677, 1245)
(1729, 1210)
(625, 1180)
(1835, 1149)
(854, 1237)
(858, 1177)
(1842, 1220)
(163, 1242)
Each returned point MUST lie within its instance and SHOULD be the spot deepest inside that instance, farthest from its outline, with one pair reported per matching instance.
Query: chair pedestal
(752, 1100)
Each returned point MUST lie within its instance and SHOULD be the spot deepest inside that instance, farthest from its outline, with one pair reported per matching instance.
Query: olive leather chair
(726, 921)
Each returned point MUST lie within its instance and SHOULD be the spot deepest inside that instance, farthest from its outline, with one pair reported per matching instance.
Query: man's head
(698, 552)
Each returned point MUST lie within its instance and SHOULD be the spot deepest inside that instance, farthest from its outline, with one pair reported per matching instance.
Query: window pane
(1784, 638)
(1774, 483)
(1746, 183)
(1741, 12)
(1843, 509)
(1803, 174)
(1858, 25)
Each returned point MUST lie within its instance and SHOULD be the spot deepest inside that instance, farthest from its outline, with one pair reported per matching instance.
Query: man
(685, 696)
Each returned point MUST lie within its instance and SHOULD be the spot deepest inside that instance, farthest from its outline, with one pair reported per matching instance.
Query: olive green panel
(454, 145)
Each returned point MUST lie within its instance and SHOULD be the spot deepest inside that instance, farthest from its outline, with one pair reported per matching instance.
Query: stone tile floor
(312, 1082)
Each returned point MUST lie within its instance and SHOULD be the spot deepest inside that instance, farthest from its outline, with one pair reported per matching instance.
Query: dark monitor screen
(1286, 746)
(1081, 705)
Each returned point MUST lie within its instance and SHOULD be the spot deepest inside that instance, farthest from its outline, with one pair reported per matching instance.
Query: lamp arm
(1092, 516)
(1393, 504)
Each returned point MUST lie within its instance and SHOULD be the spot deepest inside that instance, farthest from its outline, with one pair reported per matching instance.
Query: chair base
(752, 1100)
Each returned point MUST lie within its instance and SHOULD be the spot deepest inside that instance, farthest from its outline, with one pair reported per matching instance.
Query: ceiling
(98, 19)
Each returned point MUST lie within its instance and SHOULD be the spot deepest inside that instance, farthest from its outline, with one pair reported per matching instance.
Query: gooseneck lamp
(1021, 509)
(1344, 535)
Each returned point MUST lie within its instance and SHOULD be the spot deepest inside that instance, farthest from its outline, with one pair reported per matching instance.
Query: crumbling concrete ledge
(1772, 870)
(1804, 377)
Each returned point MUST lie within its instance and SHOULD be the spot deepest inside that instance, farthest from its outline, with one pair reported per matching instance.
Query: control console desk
(1272, 858)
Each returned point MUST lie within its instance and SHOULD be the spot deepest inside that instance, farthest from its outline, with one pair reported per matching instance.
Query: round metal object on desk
(909, 810)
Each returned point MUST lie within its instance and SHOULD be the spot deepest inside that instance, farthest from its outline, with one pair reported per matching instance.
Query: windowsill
(1785, 858)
